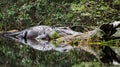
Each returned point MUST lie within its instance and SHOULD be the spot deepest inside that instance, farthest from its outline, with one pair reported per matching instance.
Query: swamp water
(17, 50)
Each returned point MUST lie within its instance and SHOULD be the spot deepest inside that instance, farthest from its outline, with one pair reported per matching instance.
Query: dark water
(17, 54)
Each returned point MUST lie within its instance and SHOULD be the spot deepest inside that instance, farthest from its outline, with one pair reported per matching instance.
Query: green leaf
(54, 43)
(54, 35)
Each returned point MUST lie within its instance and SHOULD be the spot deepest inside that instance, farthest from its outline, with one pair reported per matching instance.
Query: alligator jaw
(17, 36)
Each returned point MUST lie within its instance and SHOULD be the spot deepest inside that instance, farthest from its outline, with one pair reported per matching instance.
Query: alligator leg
(109, 29)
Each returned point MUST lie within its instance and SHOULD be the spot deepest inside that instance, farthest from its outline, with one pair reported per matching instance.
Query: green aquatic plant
(107, 43)
(54, 43)
(54, 35)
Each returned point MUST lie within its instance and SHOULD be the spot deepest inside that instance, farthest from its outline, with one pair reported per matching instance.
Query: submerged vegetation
(21, 14)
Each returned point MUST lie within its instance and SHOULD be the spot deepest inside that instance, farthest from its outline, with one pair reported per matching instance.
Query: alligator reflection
(103, 53)
(45, 45)
(109, 56)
